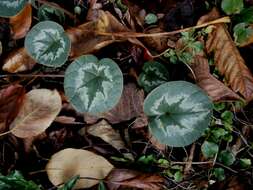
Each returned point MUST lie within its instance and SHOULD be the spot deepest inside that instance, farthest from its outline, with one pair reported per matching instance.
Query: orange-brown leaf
(11, 99)
(18, 61)
(228, 59)
(21, 23)
(212, 86)
(134, 179)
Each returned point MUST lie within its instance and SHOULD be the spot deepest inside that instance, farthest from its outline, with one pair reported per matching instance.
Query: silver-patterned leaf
(179, 112)
(48, 44)
(93, 86)
(10, 8)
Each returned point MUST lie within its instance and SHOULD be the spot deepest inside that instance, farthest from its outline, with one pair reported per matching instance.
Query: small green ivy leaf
(9, 8)
(151, 18)
(242, 32)
(93, 86)
(48, 44)
(47, 12)
(226, 157)
(219, 173)
(227, 116)
(232, 6)
(245, 16)
(153, 75)
(16, 181)
(178, 176)
(179, 112)
(245, 162)
(209, 149)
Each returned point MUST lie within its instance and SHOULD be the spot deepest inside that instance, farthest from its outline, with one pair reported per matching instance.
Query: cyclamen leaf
(10, 8)
(70, 162)
(93, 86)
(154, 74)
(179, 112)
(48, 44)
(40, 108)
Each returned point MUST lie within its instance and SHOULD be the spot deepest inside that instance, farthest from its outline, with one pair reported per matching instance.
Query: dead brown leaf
(38, 111)
(21, 23)
(11, 99)
(134, 179)
(18, 61)
(228, 59)
(216, 90)
(129, 107)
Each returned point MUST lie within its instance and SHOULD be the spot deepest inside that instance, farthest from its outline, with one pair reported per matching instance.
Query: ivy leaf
(48, 44)
(10, 8)
(232, 6)
(242, 33)
(179, 113)
(16, 181)
(47, 12)
(209, 149)
(226, 157)
(245, 15)
(151, 18)
(219, 173)
(93, 86)
(153, 74)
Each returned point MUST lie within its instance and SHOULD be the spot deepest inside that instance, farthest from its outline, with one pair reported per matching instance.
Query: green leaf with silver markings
(93, 86)
(9, 8)
(48, 44)
(179, 112)
(153, 75)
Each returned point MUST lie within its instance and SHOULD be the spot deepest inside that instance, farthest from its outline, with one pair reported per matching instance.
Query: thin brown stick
(141, 35)
(32, 75)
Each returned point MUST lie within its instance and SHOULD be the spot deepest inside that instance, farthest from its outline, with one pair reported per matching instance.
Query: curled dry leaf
(18, 61)
(11, 99)
(134, 179)
(69, 162)
(129, 107)
(39, 109)
(107, 134)
(212, 86)
(228, 59)
(86, 38)
(21, 23)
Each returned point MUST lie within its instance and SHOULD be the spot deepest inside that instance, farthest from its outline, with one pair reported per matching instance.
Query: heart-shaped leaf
(10, 8)
(71, 162)
(154, 74)
(93, 86)
(48, 44)
(179, 112)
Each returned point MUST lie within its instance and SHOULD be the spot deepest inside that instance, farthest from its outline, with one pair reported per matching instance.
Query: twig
(190, 159)
(141, 35)
(32, 75)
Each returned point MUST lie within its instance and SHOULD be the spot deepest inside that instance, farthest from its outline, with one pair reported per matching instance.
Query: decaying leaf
(134, 179)
(21, 23)
(39, 109)
(228, 59)
(212, 86)
(107, 133)
(70, 162)
(11, 99)
(129, 106)
(86, 38)
(18, 61)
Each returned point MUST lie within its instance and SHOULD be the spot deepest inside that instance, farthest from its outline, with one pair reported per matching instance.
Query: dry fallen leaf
(39, 109)
(11, 99)
(134, 179)
(216, 90)
(21, 23)
(129, 107)
(70, 162)
(18, 61)
(107, 133)
(228, 59)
